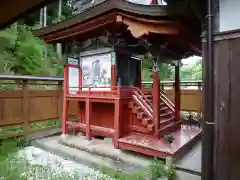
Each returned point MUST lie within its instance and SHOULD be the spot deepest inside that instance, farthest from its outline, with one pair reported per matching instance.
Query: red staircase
(142, 137)
(142, 109)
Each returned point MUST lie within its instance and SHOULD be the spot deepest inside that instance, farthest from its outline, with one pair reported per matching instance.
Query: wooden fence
(27, 104)
(191, 94)
(31, 104)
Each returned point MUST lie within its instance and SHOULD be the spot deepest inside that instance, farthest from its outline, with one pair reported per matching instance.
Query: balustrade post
(65, 101)
(200, 99)
(162, 86)
(156, 98)
(88, 112)
(26, 106)
(177, 92)
(60, 99)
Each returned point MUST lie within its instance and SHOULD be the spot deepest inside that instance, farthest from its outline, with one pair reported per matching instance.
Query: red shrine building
(105, 45)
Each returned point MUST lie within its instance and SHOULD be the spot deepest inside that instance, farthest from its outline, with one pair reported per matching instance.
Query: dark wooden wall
(227, 106)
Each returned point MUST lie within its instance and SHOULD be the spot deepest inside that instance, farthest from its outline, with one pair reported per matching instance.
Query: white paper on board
(73, 76)
(97, 72)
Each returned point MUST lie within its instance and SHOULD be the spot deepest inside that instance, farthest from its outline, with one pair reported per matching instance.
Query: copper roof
(150, 20)
(153, 11)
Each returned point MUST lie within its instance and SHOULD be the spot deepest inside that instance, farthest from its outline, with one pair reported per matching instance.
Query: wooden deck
(145, 144)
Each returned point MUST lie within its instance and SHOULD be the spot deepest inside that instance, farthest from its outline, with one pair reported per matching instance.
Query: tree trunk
(59, 45)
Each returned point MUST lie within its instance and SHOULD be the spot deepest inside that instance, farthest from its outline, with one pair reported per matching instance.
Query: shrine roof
(105, 7)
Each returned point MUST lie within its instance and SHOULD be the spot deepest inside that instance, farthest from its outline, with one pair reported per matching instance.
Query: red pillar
(156, 99)
(88, 112)
(117, 113)
(154, 2)
(177, 92)
(65, 101)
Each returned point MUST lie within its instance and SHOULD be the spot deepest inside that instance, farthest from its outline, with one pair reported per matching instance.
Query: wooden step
(150, 127)
(148, 97)
(168, 129)
(147, 92)
(146, 121)
(166, 121)
(139, 129)
(165, 114)
(136, 109)
(140, 115)
(164, 108)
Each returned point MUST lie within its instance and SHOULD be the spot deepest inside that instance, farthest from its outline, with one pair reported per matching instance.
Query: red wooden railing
(139, 91)
(166, 100)
(102, 91)
(142, 101)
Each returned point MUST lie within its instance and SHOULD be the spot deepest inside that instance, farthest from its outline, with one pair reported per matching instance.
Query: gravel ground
(36, 156)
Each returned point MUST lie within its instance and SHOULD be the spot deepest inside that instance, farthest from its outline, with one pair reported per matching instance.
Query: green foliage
(52, 13)
(165, 70)
(16, 166)
(23, 53)
(192, 71)
(171, 173)
(27, 52)
(157, 169)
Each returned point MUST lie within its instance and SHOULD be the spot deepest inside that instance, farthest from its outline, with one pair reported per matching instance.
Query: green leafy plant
(23, 53)
(157, 169)
(171, 173)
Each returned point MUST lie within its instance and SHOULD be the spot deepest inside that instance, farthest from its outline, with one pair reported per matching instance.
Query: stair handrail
(166, 100)
(143, 96)
(146, 106)
(139, 101)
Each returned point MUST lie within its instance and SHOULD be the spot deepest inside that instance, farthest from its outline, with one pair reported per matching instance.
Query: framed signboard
(96, 68)
(73, 75)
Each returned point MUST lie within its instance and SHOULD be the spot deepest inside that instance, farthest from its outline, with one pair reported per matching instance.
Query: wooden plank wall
(24, 106)
(20, 108)
(227, 106)
(191, 99)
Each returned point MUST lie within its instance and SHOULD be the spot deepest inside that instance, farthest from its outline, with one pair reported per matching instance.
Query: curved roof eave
(153, 11)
